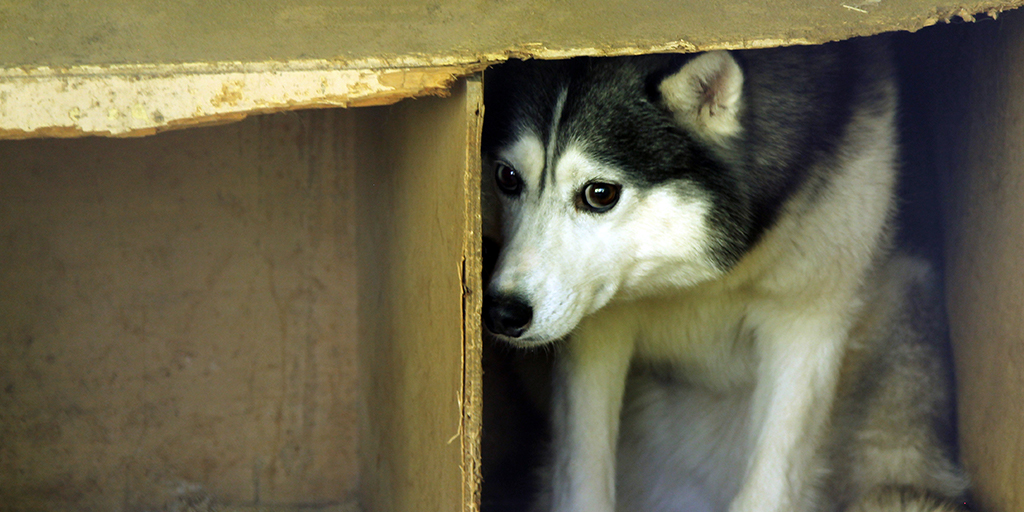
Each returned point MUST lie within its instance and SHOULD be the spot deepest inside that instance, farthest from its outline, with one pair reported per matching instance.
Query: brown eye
(508, 179)
(600, 197)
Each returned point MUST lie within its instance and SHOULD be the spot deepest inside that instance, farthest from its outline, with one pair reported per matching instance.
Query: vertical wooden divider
(984, 243)
(419, 301)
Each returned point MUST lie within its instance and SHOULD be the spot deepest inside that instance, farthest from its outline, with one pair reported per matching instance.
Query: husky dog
(711, 237)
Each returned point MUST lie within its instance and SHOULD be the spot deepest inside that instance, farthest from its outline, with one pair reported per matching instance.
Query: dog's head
(609, 179)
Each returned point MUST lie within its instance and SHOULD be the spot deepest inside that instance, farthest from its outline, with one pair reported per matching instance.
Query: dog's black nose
(506, 315)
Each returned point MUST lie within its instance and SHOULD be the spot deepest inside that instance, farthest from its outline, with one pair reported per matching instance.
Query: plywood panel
(411, 33)
(985, 267)
(120, 67)
(177, 319)
(419, 306)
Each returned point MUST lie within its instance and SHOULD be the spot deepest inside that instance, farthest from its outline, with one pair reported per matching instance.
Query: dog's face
(609, 181)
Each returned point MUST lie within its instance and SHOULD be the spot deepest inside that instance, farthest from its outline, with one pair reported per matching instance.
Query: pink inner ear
(710, 90)
(707, 90)
(703, 94)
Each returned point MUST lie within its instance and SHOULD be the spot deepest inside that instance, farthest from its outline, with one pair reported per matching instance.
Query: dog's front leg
(797, 374)
(589, 382)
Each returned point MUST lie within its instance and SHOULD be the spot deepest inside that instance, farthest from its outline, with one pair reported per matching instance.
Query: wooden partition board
(279, 314)
(984, 162)
(417, 201)
(129, 68)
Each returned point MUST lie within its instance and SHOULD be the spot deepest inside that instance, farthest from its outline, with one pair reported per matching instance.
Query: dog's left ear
(705, 95)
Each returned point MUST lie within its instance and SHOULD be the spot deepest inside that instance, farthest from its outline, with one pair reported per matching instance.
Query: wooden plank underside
(131, 101)
(419, 301)
(106, 67)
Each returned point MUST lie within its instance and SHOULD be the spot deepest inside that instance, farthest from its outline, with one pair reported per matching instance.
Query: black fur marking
(520, 98)
(796, 105)
(543, 177)
(798, 102)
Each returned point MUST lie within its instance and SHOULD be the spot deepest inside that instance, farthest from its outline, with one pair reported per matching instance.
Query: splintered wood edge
(472, 286)
(133, 101)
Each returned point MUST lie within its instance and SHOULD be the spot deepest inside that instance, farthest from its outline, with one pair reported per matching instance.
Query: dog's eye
(508, 179)
(600, 197)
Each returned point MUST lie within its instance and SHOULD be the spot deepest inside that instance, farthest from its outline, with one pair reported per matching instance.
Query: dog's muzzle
(506, 315)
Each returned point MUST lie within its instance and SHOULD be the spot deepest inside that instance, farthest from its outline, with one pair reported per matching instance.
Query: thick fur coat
(708, 238)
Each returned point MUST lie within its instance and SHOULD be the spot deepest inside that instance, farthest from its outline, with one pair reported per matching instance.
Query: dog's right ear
(705, 96)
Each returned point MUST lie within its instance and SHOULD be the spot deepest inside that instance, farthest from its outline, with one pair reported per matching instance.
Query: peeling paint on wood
(134, 101)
